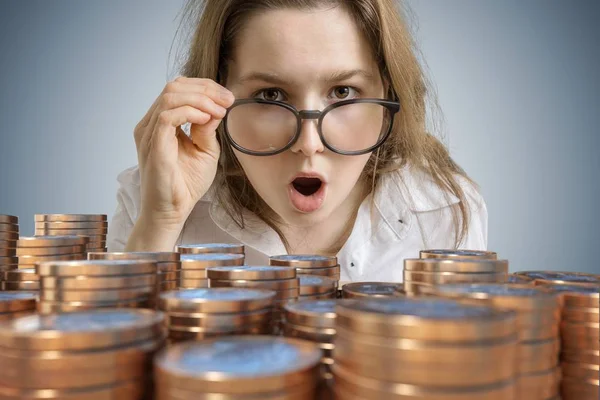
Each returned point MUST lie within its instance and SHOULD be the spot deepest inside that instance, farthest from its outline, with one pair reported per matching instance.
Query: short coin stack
(423, 349)
(196, 314)
(371, 290)
(580, 342)
(462, 254)
(538, 317)
(420, 275)
(88, 355)
(238, 367)
(9, 234)
(282, 280)
(560, 278)
(36, 249)
(21, 279)
(211, 248)
(67, 286)
(194, 266)
(310, 265)
(316, 287)
(168, 265)
(16, 304)
(92, 226)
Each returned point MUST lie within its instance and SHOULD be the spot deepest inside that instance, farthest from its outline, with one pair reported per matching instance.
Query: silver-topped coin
(422, 308)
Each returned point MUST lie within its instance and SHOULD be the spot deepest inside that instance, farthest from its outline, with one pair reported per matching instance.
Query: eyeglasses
(349, 127)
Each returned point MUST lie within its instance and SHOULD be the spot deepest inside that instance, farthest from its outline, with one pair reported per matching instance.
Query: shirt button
(352, 264)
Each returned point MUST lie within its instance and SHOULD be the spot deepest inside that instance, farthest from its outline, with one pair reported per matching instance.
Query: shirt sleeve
(128, 200)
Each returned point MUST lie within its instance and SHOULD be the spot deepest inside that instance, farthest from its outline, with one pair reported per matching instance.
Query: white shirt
(411, 213)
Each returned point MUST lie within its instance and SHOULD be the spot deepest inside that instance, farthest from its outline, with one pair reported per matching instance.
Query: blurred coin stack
(363, 290)
(16, 304)
(68, 286)
(580, 342)
(194, 266)
(420, 275)
(9, 234)
(92, 226)
(538, 318)
(459, 254)
(282, 280)
(515, 278)
(88, 355)
(315, 321)
(211, 248)
(196, 314)
(168, 266)
(37, 249)
(310, 265)
(316, 287)
(238, 367)
(21, 279)
(423, 349)
(545, 278)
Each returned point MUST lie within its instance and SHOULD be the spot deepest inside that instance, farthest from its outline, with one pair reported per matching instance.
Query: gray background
(517, 82)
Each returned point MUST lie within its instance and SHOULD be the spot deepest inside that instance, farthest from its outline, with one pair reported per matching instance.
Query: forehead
(301, 44)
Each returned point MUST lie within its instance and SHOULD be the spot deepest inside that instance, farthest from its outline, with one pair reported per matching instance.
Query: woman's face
(309, 59)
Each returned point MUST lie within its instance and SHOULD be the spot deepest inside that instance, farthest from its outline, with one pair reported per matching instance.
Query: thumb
(204, 136)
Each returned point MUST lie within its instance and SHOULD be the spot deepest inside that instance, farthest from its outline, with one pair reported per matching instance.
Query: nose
(309, 142)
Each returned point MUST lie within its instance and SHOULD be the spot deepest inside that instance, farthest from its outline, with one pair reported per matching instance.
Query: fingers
(168, 120)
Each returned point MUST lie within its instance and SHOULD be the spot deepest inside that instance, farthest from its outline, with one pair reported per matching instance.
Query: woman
(307, 136)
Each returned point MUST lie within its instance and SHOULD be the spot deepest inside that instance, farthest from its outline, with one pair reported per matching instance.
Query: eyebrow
(275, 79)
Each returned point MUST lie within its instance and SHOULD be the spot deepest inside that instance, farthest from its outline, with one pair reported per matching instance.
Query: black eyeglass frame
(392, 106)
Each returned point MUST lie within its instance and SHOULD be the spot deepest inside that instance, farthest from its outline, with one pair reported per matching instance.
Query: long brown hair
(213, 25)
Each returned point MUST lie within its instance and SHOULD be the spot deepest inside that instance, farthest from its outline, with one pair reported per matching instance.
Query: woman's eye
(269, 94)
(344, 92)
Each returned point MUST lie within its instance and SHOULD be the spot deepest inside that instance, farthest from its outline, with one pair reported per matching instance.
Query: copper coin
(577, 296)
(317, 314)
(87, 283)
(70, 217)
(179, 334)
(51, 307)
(457, 265)
(251, 273)
(9, 219)
(7, 245)
(72, 224)
(21, 285)
(9, 236)
(561, 277)
(203, 261)
(303, 261)
(581, 356)
(218, 321)
(8, 252)
(320, 335)
(464, 254)
(17, 301)
(536, 356)
(50, 251)
(221, 300)
(20, 275)
(172, 266)
(453, 277)
(324, 296)
(61, 232)
(120, 391)
(580, 314)
(332, 272)
(51, 241)
(154, 256)
(315, 284)
(9, 228)
(32, 260)
(580, 371)
(193, 274)
(166, 286)
(539, 385)
(193, 283)
(203, 248)
(9, 260)
(580, 390)
(96, 268)
(238, 365)
(95, 295)
(369, 289)
(275, 284)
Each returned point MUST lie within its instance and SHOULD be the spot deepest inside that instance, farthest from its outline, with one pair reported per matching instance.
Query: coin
(8, 252)
(120, 391)
(96, 268)
(369, 289)
(274, 284)
(51, 241)
(221, 300)
(80, 331)
(8, 245)
(72, 225)
(95, 295)
(332, 272)
(535, 356)
(451, 277)
(155, 256)
(9, 236)
(580, 314)
(323, 296)
(193, 274)
(70, 217)
(9, 228)
(513, 278)
(238, 365)
(16, 301)
(315, 284)
(32, 260)
(203, 261)
(464, 254)
(322, 335)
(251, 273)
(50, 251)
(8, 219)
(303, 261)
(62, 232)
(203, 248)
(577, 296)
(538, 385)
(178, 334)
(20, 275)
(317, 314)
(193, 283)
(21, 285)
(456, 265)
(9, 260)
(561, 277)
(86, 282)
(581, 356)
(217, 320)
(51, 307)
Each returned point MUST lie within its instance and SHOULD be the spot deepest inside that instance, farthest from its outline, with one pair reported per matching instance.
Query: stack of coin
(238, 367)
(193, 267)
(196, 314)
(168, 265)
(21, 279)
(309, 265)
(371, 289)
(16, 304)
(420, 275)
(463, 254)
(9, 234)
(515, 278)
(282, 280)
(36, 249)
(316, 287)
(580, 341)
(538, 317)
(100, 354)
(92, 226)
(560, 278)
(204, 248)
(67, 286)
(423, 349)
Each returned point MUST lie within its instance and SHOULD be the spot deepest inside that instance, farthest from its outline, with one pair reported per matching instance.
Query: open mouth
(307, 186)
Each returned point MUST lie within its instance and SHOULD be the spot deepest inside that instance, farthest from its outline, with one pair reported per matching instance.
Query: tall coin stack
(88, 355)
(16, 304)
(238, 367)
(363, 290)
(68, 286)
(580, 342)
(211, 248)
(316, 287)
(196, 314)
(21, 279)
(282, 280)
(37, 249)
(461, 254)
(92, 226)
(420, 275)
(423, 349)
(194, 266)
(538, 318)
(546, 278)
(314, 321)
(168, 265)
(310, 265)
(9, 234)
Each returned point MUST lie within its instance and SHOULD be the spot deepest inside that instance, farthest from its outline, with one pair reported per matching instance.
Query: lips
(307, 192)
